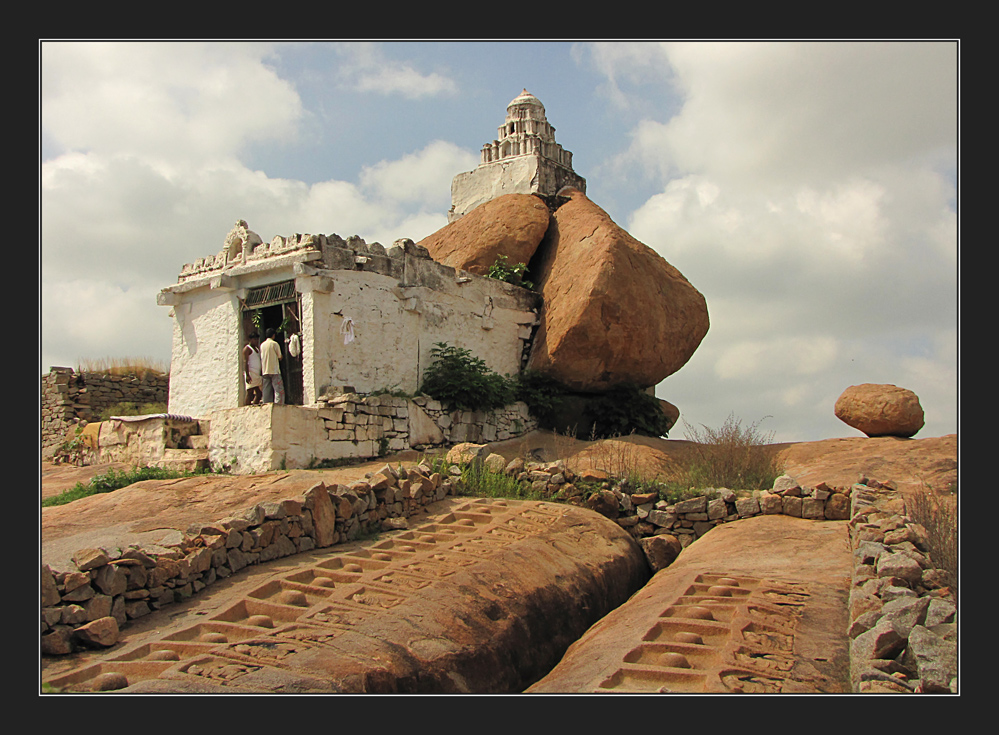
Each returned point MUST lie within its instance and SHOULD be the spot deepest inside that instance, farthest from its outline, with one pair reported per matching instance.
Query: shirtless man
(251, 369)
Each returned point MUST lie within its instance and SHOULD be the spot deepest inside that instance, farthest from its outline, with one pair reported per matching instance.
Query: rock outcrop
(483, 597)
(511, 225)
(614, 310)
(880, 410)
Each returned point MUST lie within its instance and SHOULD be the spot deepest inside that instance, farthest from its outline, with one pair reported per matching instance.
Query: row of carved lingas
(714, 637)
(681, 649)
(311, 606)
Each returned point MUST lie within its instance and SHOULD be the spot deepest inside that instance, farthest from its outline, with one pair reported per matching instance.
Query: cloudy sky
(808, 190)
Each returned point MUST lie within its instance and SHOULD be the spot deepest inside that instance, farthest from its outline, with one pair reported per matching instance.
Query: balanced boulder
(614, 310)
(511, 225)
(880, 410)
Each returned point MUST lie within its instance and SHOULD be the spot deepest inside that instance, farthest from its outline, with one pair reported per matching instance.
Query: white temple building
(524, 159)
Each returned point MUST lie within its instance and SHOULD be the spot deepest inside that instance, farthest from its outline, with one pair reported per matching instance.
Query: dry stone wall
(87, 605)
(395, 423)
(69, 397)
(644, 515)
(903, 626)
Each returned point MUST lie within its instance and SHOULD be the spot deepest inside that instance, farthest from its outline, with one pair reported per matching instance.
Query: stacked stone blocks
(69, 397)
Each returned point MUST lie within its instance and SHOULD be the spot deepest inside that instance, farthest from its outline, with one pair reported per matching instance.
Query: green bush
(459, 380)
(542, 393)
(627, 409)
(501, 270)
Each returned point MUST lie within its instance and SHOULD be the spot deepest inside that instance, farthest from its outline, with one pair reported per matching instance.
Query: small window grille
(275, 293)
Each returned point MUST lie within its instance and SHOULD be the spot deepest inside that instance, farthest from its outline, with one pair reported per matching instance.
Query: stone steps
(184, 460)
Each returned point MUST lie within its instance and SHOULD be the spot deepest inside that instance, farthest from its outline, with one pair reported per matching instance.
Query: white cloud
(145, 176)
(168, 102)
(91, 319)
(777, 355)
(365, 68)
(807, 190)
(763, 112)
(423, 177)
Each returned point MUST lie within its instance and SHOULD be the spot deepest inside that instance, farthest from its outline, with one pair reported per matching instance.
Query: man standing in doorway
(270, 368)
(251, 369)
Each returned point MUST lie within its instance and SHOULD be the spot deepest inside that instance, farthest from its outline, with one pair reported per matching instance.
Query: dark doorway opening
(278, 307)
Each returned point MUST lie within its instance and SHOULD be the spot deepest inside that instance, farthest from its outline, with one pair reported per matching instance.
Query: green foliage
(479, 482)
(502, 270)
(542, 393)
(459, 380)
(733, 457)
(113, 480)
(627, 409)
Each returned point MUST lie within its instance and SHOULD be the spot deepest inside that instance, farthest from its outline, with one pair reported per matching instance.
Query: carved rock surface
(484, 596)
(614, 310)
(511, 225)
(756, 606)
(880, 410)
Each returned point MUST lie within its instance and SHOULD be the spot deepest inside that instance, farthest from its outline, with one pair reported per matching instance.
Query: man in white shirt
(270, 370)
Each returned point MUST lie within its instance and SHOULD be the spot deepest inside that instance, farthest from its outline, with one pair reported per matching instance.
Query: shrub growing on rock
(627, 409)
(460, 380)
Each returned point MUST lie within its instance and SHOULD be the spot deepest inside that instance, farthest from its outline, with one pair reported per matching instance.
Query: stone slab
(756, 606)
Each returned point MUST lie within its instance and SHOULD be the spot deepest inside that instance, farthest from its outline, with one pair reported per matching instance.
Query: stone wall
(69, 397)
(253, 439)
(88, 604)
(903, 617)
(644, 515)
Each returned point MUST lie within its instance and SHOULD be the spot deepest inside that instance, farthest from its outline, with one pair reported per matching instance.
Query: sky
(807, 189)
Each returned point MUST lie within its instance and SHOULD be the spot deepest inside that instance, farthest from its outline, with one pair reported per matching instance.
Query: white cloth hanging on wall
(347, 330)
(294, 346)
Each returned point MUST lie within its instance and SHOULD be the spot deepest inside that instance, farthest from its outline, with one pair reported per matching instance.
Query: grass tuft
(137, 366)
(733, 456)
(937, 513)
(113, 480)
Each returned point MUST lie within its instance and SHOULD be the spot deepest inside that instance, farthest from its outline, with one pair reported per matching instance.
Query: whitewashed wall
(400, 307)
(205, 369)
(383, 354)
(395, 330)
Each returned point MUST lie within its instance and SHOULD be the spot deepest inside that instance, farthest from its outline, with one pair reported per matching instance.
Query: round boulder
(880, 410)
(511, 225)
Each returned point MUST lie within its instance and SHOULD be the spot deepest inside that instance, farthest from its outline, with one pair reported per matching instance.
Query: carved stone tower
(524, 159)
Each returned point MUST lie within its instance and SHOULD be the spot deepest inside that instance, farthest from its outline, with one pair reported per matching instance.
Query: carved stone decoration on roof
(240, 242)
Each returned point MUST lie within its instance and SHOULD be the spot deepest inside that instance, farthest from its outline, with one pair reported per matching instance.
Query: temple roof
(526, 98)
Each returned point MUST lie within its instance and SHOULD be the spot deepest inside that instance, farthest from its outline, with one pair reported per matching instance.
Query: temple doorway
(278, 307)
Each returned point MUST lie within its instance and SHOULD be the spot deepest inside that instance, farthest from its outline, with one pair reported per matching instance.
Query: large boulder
(614, 310)
(880, 410)
(511, 225)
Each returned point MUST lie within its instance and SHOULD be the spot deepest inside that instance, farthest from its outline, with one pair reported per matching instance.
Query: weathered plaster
(400, 303)
(205, 371)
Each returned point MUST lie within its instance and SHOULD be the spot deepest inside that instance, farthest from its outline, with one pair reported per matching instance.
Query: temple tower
(524, 159)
